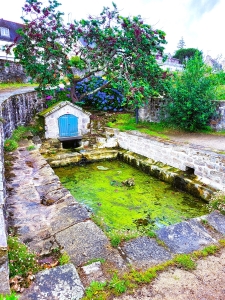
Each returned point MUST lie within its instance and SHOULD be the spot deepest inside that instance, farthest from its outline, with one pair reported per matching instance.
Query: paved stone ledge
(60, 283)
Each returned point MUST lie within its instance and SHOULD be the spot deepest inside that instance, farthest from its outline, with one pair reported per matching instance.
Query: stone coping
(5, 95)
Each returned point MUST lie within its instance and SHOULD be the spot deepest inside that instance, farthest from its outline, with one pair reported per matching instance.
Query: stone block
(145, 252)
(4, 278)
(217, 220)
(185, 237)
(85, 241)
(60, 283)
(3, 239)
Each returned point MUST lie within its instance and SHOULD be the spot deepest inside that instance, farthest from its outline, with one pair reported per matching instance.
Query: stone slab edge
(4, 269)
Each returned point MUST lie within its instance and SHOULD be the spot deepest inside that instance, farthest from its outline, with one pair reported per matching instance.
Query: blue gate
(68, 125)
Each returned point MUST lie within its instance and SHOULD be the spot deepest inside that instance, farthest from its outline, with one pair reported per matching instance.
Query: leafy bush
(105, 99)
(10, 145)
(190, 106)
(217, 202)
(21, 261)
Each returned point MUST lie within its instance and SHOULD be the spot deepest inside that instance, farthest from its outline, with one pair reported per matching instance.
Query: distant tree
(181, 43)
(184, 54)
(123, 49)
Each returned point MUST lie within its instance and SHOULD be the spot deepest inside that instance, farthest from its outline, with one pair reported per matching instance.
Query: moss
(147, 205)
(49, 109)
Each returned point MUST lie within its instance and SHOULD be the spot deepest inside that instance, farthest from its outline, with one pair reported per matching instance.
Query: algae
(148, 203)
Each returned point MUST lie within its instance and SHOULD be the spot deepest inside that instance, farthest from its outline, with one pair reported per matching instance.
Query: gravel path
(214, 142)
(207, 282)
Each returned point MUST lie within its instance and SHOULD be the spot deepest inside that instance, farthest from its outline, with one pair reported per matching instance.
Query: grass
(126, 121)
(31, 147)
(128, 281)
(91, 261)
(64, 259)
(15, 85)
(12, 296)
(19, 133)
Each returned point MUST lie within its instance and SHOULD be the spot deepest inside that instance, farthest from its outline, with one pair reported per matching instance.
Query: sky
(201, 23)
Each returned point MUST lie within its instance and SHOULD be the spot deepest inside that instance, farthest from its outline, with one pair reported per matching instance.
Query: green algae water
(102, 187)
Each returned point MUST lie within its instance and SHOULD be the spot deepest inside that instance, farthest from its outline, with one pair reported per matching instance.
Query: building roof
(13, 27)
(48, 111)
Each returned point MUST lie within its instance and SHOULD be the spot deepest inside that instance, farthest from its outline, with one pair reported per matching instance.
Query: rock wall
(19, 109)
(15, 109)
(154, 108)
(11, 71)
(207, 165)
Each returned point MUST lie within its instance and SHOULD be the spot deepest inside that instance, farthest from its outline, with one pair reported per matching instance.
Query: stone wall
(19, 109)
(219, 123)
(207, 165)
(11, 71)
(152, 110)
(15, 109)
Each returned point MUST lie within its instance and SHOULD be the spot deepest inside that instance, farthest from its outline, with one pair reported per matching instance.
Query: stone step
(62, 283)
(185, 237)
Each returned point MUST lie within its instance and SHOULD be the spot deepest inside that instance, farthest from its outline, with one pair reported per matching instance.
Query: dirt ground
(214, 142)
(207, 282)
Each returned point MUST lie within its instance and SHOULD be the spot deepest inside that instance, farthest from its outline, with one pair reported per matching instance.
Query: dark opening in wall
(71, 144)
(190, 171)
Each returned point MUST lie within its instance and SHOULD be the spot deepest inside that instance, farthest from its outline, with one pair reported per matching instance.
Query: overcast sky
(201, 23)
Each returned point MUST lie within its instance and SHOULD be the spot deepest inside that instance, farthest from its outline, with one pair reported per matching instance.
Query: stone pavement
(45, 216)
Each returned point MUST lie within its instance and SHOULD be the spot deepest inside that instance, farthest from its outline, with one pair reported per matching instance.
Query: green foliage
(10, 145)
(118, 236)
(217, 202)
(127, 122)
(190, 107)
(30, 148)
(95, 289)
(91, 261)
(77, 62)
(18, 133)
(21, 261)
(184, 54)
(185, 261)
(118, 285)
(64, 259)
(9, 297)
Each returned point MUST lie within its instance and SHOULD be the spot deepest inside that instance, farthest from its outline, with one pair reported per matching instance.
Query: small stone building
(65, 120)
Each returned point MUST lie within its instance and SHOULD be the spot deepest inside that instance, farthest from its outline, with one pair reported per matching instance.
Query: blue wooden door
(68, 125)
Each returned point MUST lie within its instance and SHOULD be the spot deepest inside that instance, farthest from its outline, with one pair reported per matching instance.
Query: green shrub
(217, 202)
(10, 145)
(190, 106)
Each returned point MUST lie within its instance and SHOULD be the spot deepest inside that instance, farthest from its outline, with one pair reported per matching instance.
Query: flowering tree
(122, 49)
